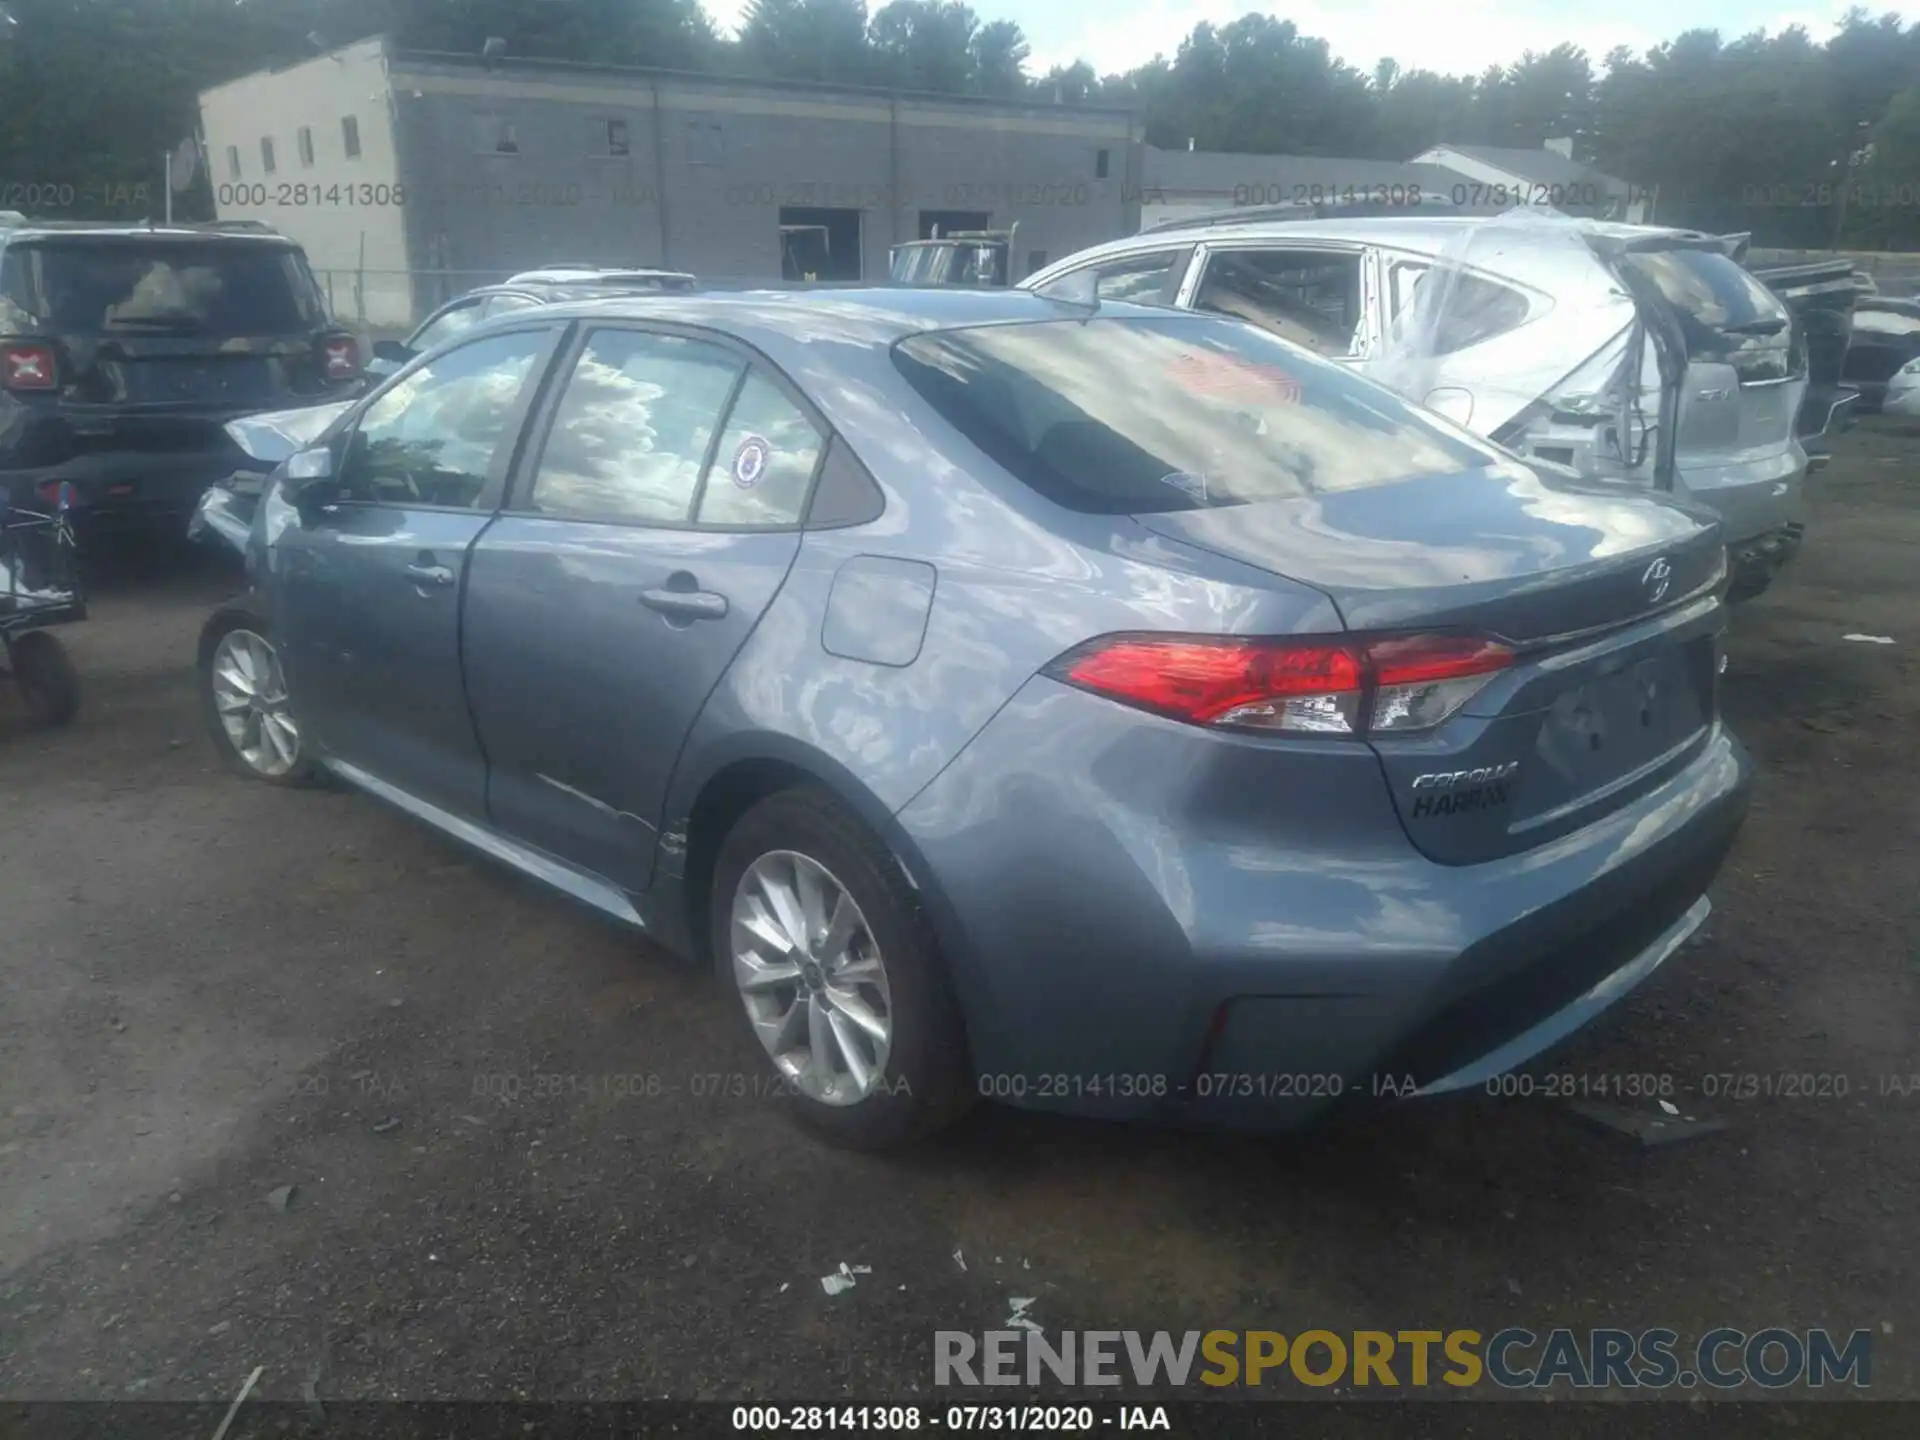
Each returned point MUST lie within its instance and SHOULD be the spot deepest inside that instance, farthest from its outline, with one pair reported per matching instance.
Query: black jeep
(125, 349)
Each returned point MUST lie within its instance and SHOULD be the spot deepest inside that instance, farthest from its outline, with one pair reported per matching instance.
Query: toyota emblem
(1658, 577)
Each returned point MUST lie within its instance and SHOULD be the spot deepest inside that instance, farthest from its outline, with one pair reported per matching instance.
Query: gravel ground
(213, 990)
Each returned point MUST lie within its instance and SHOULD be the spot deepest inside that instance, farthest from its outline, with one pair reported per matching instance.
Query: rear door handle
(686, 604)
(430, 575)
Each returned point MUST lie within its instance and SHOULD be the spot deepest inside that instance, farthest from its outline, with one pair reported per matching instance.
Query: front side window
(1132, 416)
(433, 437)
(444, 326)
(1150, 279)
(1310, 297)
(506, 304)
(633, 429)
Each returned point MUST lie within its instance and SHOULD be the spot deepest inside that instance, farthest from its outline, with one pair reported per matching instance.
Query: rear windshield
(1132, 416)
(1725, 312)
(99, 287)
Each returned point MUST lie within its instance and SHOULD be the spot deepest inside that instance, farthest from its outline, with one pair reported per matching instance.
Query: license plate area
(213, 382)
(1612, 723)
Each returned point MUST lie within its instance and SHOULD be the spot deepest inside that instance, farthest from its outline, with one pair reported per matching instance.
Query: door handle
(430, 575)
(686, 604)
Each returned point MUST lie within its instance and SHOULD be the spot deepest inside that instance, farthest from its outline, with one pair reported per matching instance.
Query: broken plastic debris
(842, 1279)
(1870, 639)
(1649, 1130)
(392, 1122)
(959, 1259)
(1019, 1319)
(783, 1287)
(1669, 1107)
(282, 1198)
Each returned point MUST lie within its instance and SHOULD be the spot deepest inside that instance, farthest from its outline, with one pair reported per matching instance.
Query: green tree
(925, 44)
(998, 58)
(808, 40)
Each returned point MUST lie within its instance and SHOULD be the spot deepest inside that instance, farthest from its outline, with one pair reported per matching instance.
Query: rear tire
(49, 685)
(824, 946)
(243, 698)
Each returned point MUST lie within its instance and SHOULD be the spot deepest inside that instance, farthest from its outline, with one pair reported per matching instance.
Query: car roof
(39, 230)
(1429, 233)
(593, 274)
(880, 314)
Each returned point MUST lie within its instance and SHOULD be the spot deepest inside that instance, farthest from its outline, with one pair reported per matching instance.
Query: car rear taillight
(1348, 687)
(27, 365)
(340, 357)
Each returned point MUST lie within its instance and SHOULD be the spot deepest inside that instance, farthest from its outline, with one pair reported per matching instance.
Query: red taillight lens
(1420, 680)
(340, 357)
(27, 366)
(1400, 683)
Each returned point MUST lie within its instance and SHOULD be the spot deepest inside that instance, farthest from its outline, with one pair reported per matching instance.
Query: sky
(1460, 37)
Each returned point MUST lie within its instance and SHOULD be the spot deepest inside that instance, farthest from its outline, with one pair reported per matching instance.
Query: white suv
(1544, 336)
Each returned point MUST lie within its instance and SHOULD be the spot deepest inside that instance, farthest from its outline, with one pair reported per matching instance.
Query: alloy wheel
(250, 696)
(812, 978)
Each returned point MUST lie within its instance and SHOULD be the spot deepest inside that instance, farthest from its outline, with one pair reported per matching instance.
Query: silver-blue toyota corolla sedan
(1096, 708)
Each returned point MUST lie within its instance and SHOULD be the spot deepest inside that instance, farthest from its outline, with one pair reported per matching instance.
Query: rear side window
(633, 429)
(1728, 316)
(1132, 416)
(1474, 309)
(764, 467)
(102, 287)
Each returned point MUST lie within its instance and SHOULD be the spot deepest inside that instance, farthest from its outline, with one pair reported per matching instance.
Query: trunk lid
(1610, 600)
(1508, 549)
(1746, 360)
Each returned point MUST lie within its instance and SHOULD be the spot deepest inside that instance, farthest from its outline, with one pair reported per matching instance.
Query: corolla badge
(1656, 581)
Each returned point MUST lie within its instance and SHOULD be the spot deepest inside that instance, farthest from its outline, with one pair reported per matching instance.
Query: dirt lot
(213, 989)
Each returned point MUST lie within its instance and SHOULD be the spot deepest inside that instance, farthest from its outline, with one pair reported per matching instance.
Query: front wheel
(243, 695)
(815, 929)
(49, 685)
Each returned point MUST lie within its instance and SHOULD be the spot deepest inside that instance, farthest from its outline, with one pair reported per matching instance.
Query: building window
(617, 137)
(1099, 164)
(350, 135)
(706, 142)
(304, 138)
(233, 162)
(266, 153)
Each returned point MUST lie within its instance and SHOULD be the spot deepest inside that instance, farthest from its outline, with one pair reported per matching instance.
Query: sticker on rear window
(750, 461)
(1207, 372)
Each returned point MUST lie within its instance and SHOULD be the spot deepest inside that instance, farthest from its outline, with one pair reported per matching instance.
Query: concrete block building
(409, 177)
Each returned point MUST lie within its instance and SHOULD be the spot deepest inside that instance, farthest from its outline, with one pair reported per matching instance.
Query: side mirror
(307, 471)
(394, 352)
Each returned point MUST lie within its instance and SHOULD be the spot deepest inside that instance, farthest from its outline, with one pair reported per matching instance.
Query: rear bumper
(1754, 563)
(1121, 953)
(1752, 497)
(129, 485)
(1902, 400)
